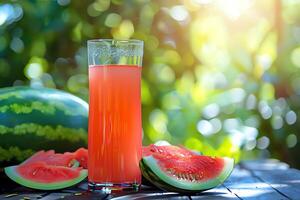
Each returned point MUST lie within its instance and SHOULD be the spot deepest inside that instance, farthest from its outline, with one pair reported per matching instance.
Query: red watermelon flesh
(43, 173)
(193, 167)
(51, 158)
(67, 159)
(38, 156)
(169, 151)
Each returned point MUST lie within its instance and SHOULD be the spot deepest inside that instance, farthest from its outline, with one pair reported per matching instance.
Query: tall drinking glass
(115, 130)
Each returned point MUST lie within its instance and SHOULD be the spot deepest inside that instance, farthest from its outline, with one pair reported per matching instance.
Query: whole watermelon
(33, 119)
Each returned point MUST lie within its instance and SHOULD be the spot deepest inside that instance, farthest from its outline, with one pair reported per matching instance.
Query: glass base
(109, 188)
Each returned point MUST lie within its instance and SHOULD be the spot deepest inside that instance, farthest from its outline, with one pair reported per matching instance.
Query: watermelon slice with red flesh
(47, 170)
(184, 172)
(45, 177)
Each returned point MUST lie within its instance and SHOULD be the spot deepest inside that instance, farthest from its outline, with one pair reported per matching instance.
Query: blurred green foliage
(221, 77)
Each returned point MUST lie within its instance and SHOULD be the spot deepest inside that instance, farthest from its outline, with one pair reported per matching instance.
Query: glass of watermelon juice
(115, 130)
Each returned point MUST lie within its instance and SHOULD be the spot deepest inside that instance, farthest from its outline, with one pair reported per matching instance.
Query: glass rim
(119, 41)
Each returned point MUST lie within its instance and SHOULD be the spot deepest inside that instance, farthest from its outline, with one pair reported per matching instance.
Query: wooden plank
(122, 196)
(25, 196)
(219, 193)
(87, 196)
(287, 181)
(244, 185)
(152, 195)
(268, 164)
(55, 196)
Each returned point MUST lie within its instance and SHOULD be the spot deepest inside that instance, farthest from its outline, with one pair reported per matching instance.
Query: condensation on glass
(110, 51)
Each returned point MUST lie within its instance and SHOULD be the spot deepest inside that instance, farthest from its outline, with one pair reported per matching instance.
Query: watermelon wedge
(47, 170)
(44, 177)
(182, 171)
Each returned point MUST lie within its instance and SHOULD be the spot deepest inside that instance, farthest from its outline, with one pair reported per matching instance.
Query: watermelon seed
(186, 176)
(201, 175)
(11, 195)
(181, 176)
(191, 177)
(34, 172)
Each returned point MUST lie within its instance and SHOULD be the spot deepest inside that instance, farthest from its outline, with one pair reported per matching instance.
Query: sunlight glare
(179, 13)
(234, 8)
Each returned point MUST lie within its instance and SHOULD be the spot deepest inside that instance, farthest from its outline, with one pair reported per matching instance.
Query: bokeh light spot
(277, 122)
(101, 5)
(10, 13)
(217, 125)
(17, 45)
(124, 31)
(158, 120)
(250, 145)
(265, 110)
(250, 132)
(290, 117)
(113, 20)
(205, 127)
(163, 73)
(251, 102)
(33, 70)
(295, 57)
(211, 110)
(291, 140)
(234, 8)
(172, 57)
(77, 83)
(179, 13)
(263, 142)
(63, 2)
(92, 11)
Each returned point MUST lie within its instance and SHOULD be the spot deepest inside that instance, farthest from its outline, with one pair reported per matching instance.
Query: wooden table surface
(259, 179)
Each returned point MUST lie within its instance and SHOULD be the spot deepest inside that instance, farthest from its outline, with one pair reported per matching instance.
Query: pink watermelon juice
(115, 132)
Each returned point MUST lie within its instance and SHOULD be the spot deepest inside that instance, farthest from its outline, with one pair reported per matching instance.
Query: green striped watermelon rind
(23, 92)
(12, 173)
(152, 172)
(32, 119)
